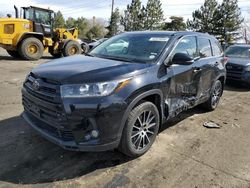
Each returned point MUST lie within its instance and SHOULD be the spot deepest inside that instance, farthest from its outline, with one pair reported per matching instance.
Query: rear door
(210, 57)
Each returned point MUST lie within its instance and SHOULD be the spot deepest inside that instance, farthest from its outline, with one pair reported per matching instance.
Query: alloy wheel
(143, 130)
(216, 94)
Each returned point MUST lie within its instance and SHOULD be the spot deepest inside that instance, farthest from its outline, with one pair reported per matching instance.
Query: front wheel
(140, 130)
(214, 99)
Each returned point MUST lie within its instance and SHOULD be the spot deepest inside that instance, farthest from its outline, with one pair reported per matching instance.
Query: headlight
(92, 89)
(247, 68)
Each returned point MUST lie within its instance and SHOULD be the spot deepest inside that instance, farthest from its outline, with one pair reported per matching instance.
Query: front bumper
(68, 145)
(69, 130)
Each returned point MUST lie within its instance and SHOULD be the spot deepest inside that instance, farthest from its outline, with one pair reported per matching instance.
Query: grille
(233, 68)
(234, 71)
(44, 89)
(43, 103)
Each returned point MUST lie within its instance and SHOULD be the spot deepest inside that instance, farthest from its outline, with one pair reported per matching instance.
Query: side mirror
(182, 59)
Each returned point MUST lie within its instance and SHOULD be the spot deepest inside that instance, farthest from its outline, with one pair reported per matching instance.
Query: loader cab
(42, 19)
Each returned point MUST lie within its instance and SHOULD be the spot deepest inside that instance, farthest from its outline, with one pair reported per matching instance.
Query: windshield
(142, 48)
(238, 52)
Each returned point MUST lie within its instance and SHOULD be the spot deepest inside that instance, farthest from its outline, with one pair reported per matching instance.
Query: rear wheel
(14, 54)
(140, 130)
(72, 48)
(31, 49)
(214, 99)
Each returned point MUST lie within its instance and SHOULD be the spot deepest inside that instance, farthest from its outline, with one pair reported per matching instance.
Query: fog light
(87, 137)
(94, 133)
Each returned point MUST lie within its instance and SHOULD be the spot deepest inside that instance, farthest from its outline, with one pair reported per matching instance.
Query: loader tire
(72, 48)
(14, 54)
(31, 49)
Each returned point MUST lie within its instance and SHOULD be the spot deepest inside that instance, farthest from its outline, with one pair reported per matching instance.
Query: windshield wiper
(123, 59)
(90, 55)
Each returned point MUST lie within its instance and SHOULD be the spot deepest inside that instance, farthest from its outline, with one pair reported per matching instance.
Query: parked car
(238, 66)
(120, 98)
(96, 43)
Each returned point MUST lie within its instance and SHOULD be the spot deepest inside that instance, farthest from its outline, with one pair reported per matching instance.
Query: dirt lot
(185, 154)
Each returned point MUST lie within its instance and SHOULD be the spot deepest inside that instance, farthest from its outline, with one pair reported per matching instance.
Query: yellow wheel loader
(31, 35)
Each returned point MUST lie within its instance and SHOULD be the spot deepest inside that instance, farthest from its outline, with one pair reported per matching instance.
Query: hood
(239, 61)
(80, 68)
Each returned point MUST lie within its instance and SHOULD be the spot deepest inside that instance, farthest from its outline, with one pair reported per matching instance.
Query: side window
(187, 45)
(216, 48)
(205, 49)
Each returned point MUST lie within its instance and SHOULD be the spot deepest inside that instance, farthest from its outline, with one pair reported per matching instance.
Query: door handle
(197, 70)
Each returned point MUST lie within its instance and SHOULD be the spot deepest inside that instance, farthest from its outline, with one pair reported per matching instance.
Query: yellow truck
(32, 34)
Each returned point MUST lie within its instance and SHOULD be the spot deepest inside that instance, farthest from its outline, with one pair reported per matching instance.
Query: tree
(97, 31)
(229, 19)
(133, 18)
(83, 26)
(70, 23)
(204, 19)
(59, 20)
(114, 23)
(154, 15)
(176, 24)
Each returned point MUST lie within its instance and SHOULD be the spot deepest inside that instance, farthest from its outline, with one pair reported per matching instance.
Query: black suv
(120, 94)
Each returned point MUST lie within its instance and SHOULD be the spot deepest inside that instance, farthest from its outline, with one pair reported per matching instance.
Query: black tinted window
(188, 46)
(204, 47)
(216, 49)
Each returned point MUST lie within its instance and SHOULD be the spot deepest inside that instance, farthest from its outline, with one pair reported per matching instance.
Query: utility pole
(112, 7)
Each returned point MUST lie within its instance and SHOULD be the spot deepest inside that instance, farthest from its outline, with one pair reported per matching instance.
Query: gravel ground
(185, 154)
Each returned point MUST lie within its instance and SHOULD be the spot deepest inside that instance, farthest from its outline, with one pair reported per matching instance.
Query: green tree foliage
(217, 19)
(85, 29)
(70, 23)
(154, 15)
(83, 26)
(114, 23)
(59, 21)
(204, 19)
(176, 24)
(230, 19)
(97, 31)
(133, 17)
(137, 17)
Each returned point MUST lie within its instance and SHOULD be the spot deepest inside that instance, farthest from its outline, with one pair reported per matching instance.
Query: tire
(14, 54)
(85, 48)
(214, 99)
(72, 48)
(31, 49)
(143, 122)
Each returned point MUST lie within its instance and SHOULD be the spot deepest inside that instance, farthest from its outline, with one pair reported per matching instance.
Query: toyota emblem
(36, 85)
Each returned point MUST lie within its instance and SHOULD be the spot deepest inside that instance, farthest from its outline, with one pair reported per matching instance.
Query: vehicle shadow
(27, 158)
(9, 58)
(236, 86)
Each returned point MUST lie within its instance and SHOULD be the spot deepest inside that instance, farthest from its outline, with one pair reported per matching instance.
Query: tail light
(225, 60)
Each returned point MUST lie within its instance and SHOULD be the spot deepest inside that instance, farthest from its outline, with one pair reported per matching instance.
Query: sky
(102, 8)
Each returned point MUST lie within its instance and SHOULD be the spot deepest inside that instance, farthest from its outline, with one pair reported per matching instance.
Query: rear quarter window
(217, 51)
